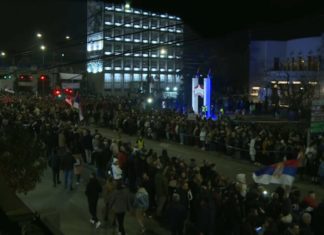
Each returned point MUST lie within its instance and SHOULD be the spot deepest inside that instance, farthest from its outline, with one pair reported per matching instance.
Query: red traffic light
(68, 91)
(42, 77)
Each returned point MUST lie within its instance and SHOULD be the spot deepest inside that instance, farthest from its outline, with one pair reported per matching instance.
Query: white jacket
(117, 173)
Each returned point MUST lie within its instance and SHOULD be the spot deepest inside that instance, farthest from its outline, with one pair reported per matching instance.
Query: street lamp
(163, 51)
(127, 5)
(149, 100)
(3, 54)
(43, 48)
(67, 37)
(39, 35)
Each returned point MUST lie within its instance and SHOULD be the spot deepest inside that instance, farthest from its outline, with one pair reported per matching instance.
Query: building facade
(131, 49)
(286, 66)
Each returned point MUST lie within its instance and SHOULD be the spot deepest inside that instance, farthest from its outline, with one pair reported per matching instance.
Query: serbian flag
(69, 101)
(77, 105)
(279, 173)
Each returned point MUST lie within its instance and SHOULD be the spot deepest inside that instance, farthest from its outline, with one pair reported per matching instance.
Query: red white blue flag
(279, 173)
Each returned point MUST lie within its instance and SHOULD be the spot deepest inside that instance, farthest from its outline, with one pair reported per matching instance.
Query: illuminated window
(109, 19)
(137, 22)
(137, 77)
(108, 65)
(118, 79)
(95, 66)
(163, 37)
(118, 48)
(145, 23)
(128, 21)
(136, 64)
(127, 49)
(109, 6)
(127, 64)
(146, 37)
(95, 42)
(117, 64)
(154, 23)
(162, 77)
(137, 37)
(170, 78)
(162, 65)
(127, 77)
(128, 35)
(118, 20)
(108, 77)
(109, 34)
(154, 37)
(108, 81)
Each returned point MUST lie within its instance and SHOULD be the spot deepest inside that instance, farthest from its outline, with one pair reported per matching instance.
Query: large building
(286, 66)
(128, 47)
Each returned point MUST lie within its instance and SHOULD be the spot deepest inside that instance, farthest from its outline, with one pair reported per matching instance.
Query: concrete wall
(262, 54)
(303, 47)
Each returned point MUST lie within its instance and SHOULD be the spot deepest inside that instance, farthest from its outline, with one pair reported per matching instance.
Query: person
(176, 215)
(67, 165)
(119, 202)
(54, 163)
(108, 188)
(92, 192)
(78, 167)
(140, 143)
(117, 173)
(141, 204)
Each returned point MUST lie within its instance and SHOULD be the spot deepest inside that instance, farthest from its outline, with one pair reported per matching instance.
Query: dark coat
(93, 189)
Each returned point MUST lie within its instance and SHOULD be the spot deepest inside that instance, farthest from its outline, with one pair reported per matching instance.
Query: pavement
(68, 210)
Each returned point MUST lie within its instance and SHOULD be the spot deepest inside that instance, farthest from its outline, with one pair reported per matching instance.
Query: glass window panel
(170, 78)
(127, 77)
(128, 21)
(118, 19)
(162, 77)
(137, 77)
(128, 34)
(137, 64)
(154, 23)
(118, 48)
(117, 63)
(145, 23)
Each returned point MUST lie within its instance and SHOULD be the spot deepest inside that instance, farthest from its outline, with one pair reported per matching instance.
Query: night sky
(274, 19)
(21, 19)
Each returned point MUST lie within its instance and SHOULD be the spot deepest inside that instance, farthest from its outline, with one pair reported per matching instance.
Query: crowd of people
(185, 197)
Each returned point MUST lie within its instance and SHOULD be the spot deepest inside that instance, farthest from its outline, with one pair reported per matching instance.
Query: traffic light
(57, 93)
(68, 91)
(43, 77)
(5, 76)
(25, 78)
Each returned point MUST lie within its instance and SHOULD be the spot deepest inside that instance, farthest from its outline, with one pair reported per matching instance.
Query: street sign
(317, 117)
